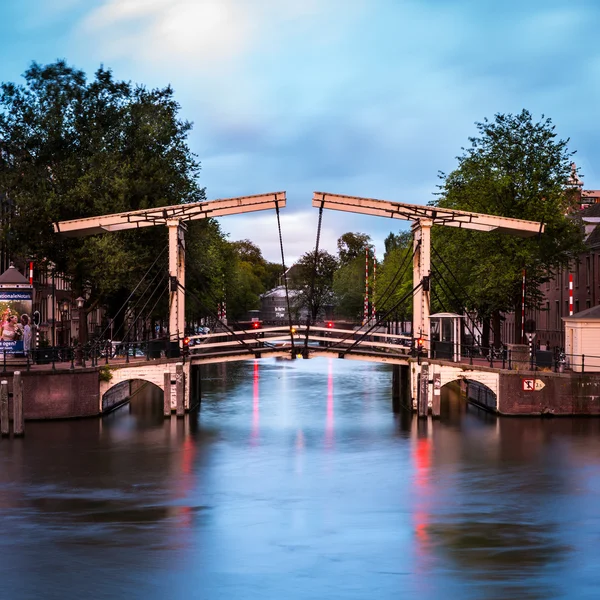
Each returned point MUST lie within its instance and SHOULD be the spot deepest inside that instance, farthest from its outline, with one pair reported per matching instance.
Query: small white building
(582, 340)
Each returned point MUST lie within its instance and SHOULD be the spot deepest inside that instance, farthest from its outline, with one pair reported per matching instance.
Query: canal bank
(85, 392)
(506, 392)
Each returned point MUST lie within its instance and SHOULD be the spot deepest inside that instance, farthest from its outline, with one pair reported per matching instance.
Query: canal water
(296, 481)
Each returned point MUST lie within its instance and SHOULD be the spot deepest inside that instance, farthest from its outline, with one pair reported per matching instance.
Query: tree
(349, 279)
(515, 168)
(351, 246)
(250, 277)
(394, 278)
(73, 148)
(313, 282)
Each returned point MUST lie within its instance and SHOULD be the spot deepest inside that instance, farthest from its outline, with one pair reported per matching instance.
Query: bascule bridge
(422, 375)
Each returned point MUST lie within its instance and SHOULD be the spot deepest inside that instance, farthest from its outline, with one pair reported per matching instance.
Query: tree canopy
(73, 148)
(312, 281)
(515, 167)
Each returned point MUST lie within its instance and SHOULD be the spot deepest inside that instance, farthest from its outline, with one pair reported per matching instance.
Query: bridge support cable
(131, 310)
(285, 281)
(386, 314)
(222, 323)
(314, 279)
(404, 265)
(387, 293)
(133, 292)
(214, 314)
(234, 335)
(142, 314)
(449, 287)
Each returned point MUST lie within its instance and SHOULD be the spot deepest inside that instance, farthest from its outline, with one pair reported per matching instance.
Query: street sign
(530, 337)
(532, 385)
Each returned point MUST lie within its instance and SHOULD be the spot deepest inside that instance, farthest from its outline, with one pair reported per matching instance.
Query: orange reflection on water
(329, 423)
(185, 482)
(422, 489)
(255, 406)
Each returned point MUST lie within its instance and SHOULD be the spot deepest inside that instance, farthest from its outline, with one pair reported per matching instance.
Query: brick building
(586, 282)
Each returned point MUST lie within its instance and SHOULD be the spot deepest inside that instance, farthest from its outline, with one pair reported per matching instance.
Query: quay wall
(562, 394)
(58, 394)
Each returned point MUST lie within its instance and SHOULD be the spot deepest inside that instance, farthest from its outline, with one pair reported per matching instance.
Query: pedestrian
(26, 333)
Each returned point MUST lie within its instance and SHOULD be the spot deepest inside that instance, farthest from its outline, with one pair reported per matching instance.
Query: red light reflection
(255, 406)
(329, 423)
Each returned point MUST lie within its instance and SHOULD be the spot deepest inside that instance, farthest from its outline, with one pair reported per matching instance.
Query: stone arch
(119, 393)
(482, 386)
(149, 372)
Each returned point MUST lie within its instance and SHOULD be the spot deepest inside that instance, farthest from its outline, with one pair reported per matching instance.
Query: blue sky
(360, 97)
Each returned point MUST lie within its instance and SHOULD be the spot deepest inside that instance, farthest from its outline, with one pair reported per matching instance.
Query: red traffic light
(330, 324)
(420, 342)
(256, 325)
(186, 341)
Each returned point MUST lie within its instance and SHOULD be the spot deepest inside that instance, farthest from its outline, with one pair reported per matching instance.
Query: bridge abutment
(401, 388)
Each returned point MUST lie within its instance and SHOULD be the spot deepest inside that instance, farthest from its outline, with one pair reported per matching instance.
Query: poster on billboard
(13, 304)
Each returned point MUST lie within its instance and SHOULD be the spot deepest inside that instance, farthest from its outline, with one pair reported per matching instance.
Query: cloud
(207, 34)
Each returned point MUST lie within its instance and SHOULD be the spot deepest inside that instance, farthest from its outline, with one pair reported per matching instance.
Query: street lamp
(82, 329)
(64, 312)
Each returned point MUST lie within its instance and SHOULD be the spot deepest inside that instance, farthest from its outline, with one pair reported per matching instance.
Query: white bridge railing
(261, 340)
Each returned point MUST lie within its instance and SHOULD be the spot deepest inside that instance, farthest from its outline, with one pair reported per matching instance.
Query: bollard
(179, 389)
(167, 394)
(4, 425)
(18, 425)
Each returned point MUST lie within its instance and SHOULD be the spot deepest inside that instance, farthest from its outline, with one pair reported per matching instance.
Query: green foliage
(394, 278)
(351, 246)
(349, 289)
(314, 286)
(73, 148)
(515, 168)
(105, 373)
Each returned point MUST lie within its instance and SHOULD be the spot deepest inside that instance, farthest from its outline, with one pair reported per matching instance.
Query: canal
(296, 481)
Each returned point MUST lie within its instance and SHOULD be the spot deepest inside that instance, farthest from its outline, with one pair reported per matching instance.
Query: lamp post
(64, 313)
(82, 329)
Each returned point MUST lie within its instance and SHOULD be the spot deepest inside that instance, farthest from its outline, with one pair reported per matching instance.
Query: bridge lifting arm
(424, 217)
(174, 217)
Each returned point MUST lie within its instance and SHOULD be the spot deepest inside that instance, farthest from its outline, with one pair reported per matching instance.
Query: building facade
(586, 285)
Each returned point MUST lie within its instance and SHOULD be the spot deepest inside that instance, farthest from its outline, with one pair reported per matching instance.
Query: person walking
(26, 334)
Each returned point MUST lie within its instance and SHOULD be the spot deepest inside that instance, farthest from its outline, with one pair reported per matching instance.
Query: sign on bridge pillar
(436, 396)
(167, 394)
(421, 272)
(180, 389)
(423, 403)
(176, 281)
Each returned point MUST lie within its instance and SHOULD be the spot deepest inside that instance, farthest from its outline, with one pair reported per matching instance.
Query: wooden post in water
(179, 389)
(4, 424)
(18, 424)
(167, 394)
(423, 406)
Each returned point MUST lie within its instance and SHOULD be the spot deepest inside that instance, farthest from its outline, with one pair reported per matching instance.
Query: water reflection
(333, 497)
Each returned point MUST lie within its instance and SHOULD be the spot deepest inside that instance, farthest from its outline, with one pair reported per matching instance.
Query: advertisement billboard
(13, 304)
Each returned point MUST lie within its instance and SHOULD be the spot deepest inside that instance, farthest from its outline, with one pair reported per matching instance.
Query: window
(588, 304)
(576, 306)
(587, 270)
(557, 321)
